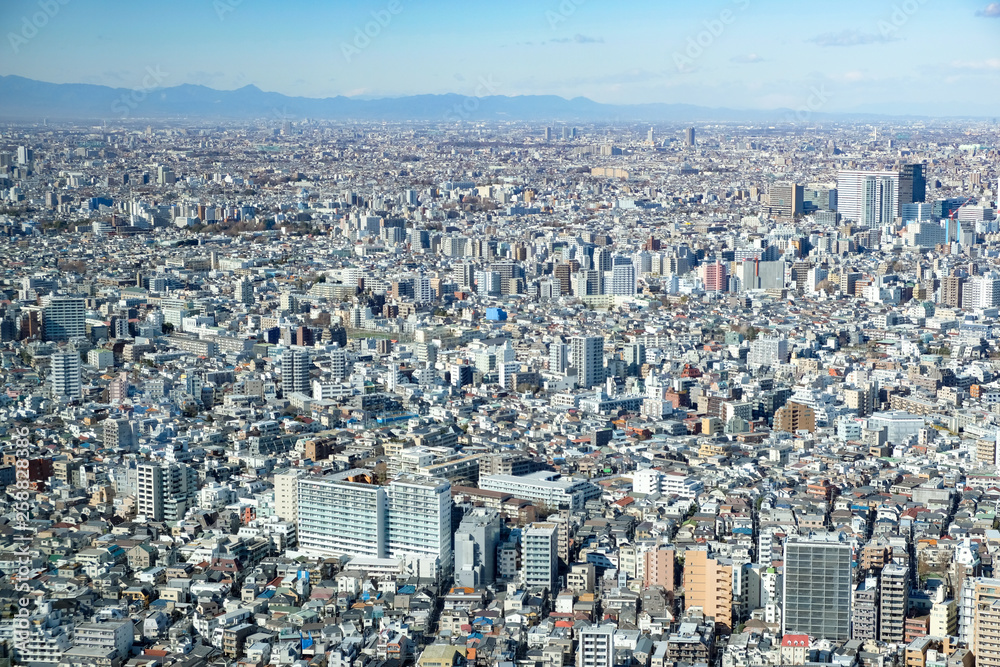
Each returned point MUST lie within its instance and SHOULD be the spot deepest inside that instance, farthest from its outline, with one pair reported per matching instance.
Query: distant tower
(548, 134)
(689, 137)
(650, 139)
(66, 378)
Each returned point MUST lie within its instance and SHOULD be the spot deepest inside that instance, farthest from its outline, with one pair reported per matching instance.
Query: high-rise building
(817, 593)
(622, 277)
(66, 379)
(658, 568)
(540, 556)
(419, 519)
(286, 494)
(870, 198)
(244, 291)
(597, 646)
(689, 137)
(295, 367)
(64, 318)
(119, 433)
(476, 548)
(25, 156)
(768, 351)
(165, 491)
(786, 200)
(951, 291)
(715, 276)
(587, 357)
(558, 357)
(912, 184)
(347, 513)
(708, 583)
(893, 602)
(981, 292)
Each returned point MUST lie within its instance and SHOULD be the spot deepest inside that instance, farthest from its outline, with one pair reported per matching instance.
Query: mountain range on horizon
(29, 99)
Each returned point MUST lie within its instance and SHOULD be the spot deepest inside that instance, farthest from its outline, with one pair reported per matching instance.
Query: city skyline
(850, 58)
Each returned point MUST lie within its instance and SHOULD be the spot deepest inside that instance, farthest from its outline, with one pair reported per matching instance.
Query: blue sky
(889, 56)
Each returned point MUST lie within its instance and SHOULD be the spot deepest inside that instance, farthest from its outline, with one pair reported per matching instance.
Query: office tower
(708, 583)
(295, 367)
(981, 292)
(912, 184)
(476, 548)
(689, 137)
(419, 519)
(25, 156)
(650, 137)
(165, 491)
(622, 277)
(597, 646)
(587, 357)
(244, 291)
(786, 200)
(817, 596)
(64, 318)
(715, 276)
(870, 198)
(165, 175)
(540, 556)
(66, 380)
(548, 134)
(917, 211)
(819, 198)
(893, 602)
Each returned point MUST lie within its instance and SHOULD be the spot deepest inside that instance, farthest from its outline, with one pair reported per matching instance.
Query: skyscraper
(912, 184)
(66, 381)
(817, 595)
(689, 137)
(587, 357)
(870, 198)
(64, 318)
(244, 291)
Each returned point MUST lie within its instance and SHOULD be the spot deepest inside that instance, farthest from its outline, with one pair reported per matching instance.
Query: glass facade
(818, 589)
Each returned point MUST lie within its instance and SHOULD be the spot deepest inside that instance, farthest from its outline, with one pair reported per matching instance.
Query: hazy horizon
(851, 57)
